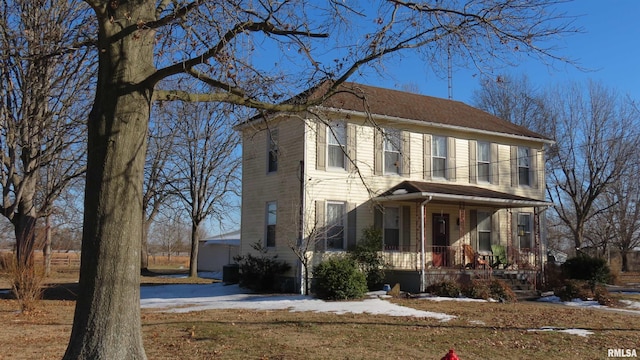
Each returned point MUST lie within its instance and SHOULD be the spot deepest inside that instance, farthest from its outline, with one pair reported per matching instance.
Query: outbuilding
(218, 251)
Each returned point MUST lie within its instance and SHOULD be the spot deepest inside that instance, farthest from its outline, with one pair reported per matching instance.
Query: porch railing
(454, 257)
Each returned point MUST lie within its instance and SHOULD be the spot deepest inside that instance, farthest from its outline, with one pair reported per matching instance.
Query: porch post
(423, 280)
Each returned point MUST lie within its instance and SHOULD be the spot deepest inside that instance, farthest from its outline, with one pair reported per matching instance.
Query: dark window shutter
(378, 145)
(514, 166)
(352, 232)
(320, 235)
(427, 156)
(473, 166)
(321, 146)
(495, 165)
(406, 228)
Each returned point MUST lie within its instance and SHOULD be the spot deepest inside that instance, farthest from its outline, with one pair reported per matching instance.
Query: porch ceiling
(437, 192)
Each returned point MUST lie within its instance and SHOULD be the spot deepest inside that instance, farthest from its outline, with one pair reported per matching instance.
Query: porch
(438, 230)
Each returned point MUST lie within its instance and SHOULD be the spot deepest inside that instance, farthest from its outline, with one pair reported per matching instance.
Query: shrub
(339, 279)
(488, 289)
(369, 258)
(553, 277)
(574, 289)
(583, 267)
(476, 289)
(259, 273)
(603, 297)
(447, 288)
(501, 291)
(26, 283)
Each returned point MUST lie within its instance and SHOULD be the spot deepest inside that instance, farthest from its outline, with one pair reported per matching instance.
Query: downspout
(302, 272)
(423, 279)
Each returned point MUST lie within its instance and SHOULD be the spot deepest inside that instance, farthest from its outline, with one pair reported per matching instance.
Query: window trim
(435, 154)
(399, 228)
(267, 230)
(343, 146)
(523, 165)
(390, 134)
(329, 225)
(272, 150)
(485, 163)
(480, 215)
(527, 231)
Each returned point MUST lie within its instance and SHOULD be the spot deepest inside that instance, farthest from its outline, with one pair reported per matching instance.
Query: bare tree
(512, 98)
(252, 54)
(169, 233)
(206, 168)
(622, 218)
(44, 94)
(590, 125)
(156, 189)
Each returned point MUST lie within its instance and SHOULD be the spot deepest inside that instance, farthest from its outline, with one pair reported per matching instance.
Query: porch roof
(417, 190)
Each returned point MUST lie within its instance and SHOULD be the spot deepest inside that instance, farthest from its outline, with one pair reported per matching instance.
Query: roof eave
(437, 125)
(507, 203)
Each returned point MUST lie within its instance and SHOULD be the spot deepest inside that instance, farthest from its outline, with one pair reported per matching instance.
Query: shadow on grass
(402, 323)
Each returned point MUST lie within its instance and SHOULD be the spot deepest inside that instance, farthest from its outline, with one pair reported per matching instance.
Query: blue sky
(609, 47)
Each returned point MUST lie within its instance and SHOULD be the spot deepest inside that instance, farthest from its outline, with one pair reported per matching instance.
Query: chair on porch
(472, 258)
(499, 256)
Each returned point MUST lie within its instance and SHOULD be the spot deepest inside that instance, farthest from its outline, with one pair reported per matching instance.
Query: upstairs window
(524, 177)
(392, 151)
(439, 156)
(270, 230)
(272, 157)
(484, 161)
(336, 144)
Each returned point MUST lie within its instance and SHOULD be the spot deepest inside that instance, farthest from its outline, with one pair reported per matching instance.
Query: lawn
(479, 331)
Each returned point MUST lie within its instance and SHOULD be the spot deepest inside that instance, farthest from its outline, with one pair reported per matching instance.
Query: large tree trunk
(625, 261)
(107, 322)
(25, 231)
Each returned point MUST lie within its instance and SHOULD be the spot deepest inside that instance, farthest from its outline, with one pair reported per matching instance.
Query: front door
(440, 240)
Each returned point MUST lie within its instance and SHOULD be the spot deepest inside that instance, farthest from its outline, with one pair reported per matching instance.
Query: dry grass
(480, 331)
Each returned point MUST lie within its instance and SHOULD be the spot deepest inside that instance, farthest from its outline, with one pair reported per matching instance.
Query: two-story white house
(452, 188)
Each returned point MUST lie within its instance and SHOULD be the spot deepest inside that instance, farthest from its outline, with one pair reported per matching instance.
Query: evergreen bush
(594, 270)
(259, 273)
(339, 279)
(447, 288)
(368, 256)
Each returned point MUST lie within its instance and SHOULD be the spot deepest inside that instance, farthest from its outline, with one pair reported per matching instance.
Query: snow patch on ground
(579, 332)
(193, 297)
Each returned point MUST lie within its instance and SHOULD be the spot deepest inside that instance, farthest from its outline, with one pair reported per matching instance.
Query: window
(335, 225)
(524, 230)
(484, 231)
(337, 135)
(439, 156)
(392, 151)
(272, 161)
(523, 166)
(271, 224)
(484, 160)
(391, 228)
